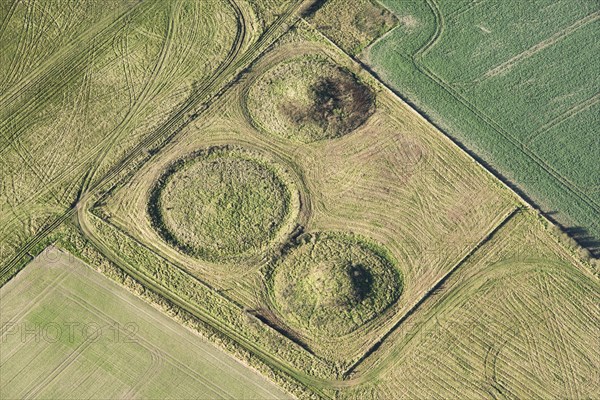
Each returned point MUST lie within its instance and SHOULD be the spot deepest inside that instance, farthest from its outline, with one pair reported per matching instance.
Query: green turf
(516, 83)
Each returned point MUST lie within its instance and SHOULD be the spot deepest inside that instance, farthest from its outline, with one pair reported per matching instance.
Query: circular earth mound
(220, 204)
(309, 99)
(331, 284)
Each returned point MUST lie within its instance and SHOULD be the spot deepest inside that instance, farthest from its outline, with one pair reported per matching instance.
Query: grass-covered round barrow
(221, 204)
(333, 283)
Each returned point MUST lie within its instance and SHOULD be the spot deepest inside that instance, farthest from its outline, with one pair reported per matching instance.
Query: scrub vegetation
(309, 99)
(330, 284)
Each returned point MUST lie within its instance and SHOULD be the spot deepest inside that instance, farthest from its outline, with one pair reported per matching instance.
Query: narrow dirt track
(200, 99)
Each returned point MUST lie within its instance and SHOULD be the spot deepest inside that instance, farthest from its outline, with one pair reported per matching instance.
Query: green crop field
(247, 188)
(515, 82)
(69, 332)
(353, 25)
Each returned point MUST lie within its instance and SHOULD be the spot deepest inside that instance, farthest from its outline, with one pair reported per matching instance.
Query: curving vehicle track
(199, 101)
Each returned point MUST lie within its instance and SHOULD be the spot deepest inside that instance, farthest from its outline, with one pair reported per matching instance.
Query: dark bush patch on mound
(309, 100)
(340, 104)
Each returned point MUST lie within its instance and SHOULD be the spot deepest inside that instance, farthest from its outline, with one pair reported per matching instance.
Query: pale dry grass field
(519, 319)
(69, 332)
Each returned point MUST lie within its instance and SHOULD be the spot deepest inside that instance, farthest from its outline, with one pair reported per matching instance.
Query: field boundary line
(365, 51)
(520, 195)
(37, 238)
(566, 184)
(431, 291)
(490, 122)
(226, 71)
(169, 125)
(440, 296)
(106, 286)
(271, 360)
(166, 259)
(518, 145)
(192, 102)
(524, 197)
(218, 293)
(99, 150)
